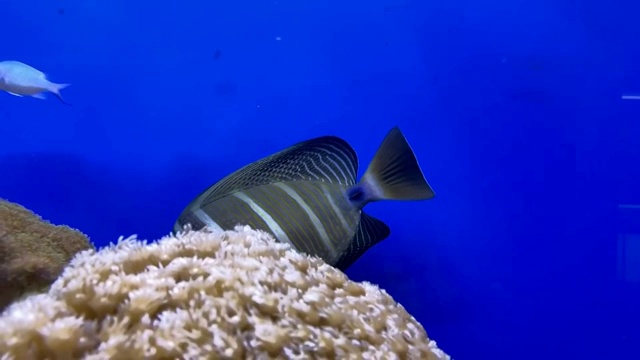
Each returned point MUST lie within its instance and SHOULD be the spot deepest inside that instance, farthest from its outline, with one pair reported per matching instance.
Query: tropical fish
(20, 79)
(307, 196)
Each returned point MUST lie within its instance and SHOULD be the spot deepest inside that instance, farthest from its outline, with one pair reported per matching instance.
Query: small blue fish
(20, 79)
(307, 196)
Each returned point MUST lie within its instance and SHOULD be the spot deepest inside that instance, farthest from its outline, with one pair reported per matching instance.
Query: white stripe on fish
(322, 232)
(20, 79)
(271, 223)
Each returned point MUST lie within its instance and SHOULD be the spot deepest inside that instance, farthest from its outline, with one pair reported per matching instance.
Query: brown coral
(33, 252)
(209, 295)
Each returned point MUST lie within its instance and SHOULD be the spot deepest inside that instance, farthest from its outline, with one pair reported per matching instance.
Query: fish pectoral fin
(394, 173)
(14, 94)
(369, 232)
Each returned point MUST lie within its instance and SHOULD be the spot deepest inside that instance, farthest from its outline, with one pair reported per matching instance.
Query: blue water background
(512, 107)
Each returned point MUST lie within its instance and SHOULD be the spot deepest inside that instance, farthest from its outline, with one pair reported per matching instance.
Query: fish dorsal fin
(328, 158)
(370, 231)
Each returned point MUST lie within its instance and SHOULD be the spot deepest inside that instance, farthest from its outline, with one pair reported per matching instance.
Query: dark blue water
(513, 108)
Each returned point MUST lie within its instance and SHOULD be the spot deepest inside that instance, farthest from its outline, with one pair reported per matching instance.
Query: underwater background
(531, 247)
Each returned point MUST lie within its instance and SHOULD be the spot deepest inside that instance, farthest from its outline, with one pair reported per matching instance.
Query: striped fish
(307, 196)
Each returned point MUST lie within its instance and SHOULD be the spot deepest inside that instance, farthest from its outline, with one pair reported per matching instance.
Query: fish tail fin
(58, 87)
(394, 173)
(55, 89)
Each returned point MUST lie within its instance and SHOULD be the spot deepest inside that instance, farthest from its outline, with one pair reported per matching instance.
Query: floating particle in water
(278, 38)
(217, 54)
(60, 11)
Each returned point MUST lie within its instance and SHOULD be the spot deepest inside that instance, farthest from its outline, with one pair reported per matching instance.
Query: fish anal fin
(369, 232)
(39, 96)
(394, 172)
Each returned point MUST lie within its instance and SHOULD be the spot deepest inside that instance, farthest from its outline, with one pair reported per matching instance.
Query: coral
(33, 252)
(209, 295)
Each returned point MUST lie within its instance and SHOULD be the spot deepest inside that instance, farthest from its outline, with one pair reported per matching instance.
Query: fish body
(20, 79)
(630, 97)
(307, 196)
